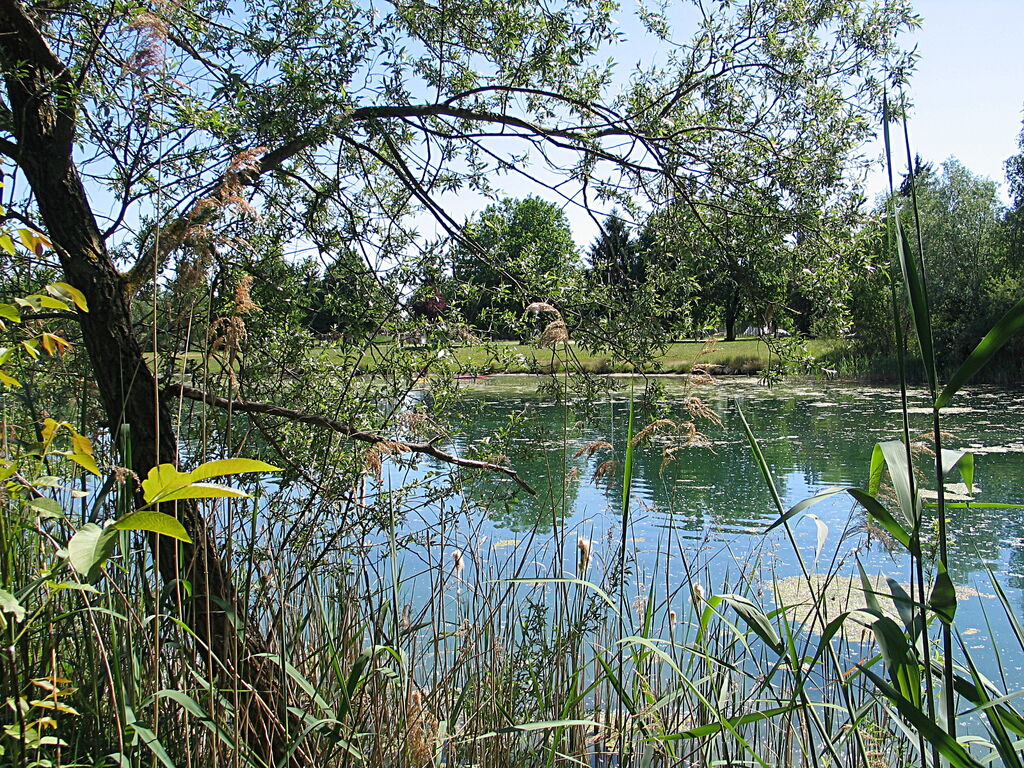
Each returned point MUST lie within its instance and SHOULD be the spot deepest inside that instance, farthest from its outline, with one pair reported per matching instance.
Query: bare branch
(426, 449)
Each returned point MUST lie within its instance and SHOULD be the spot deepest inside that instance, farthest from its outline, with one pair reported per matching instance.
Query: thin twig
(427, 449)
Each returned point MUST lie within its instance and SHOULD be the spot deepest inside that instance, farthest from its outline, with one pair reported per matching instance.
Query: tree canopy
(235, 135)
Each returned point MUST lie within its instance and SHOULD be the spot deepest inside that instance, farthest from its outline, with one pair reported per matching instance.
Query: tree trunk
(731, 311)
(44, 127)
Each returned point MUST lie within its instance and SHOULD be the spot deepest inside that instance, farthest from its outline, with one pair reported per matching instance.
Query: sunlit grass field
(743, 356)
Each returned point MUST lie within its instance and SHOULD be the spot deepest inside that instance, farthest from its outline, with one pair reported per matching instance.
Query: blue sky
(968, 91)
(967, 94)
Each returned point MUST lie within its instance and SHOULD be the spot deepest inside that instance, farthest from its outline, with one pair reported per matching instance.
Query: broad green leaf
(46, 507)
(154, 522)
(948, 746)
(962, 460)
(69, 293)
(90, 548)
(894, 455)
(899, 658)
(161, 480)
(9, 604)
(943, 597)
(10, 312)
(230, 467)
(903, 603)
(204, 491)
(1009, 326)
(882, 516)
(752, 616)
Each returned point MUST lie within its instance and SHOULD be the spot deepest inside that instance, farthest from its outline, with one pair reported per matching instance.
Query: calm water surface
(709, 505)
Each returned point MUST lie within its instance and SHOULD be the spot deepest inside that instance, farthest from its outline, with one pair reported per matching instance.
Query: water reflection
(711, 498)
(812, 438)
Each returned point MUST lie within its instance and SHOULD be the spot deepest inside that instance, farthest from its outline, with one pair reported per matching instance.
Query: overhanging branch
(398, 446)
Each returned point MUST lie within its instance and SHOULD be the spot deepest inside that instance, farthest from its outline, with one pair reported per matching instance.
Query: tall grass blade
(1009, 326)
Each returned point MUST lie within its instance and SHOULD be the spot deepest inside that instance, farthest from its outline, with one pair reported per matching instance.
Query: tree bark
(44, 117)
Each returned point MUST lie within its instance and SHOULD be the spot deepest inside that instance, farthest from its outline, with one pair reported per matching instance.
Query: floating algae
(835, 595)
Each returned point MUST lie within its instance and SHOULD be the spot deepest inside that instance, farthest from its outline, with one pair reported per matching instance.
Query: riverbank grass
(743, 356)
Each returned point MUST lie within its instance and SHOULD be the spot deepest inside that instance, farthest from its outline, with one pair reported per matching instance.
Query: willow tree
(139, 132)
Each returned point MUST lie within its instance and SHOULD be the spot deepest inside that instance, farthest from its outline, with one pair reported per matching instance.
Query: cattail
(555, 333)
(457, 560)
(671, 617)
(698, 594)
(584, 547)
(542, 308)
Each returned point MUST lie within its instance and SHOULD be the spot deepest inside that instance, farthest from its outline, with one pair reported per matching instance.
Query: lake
(698, 501)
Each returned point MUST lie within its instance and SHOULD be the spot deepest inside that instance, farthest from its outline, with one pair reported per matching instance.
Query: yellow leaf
(7, 244)
(205, 491)
(27, 238)
(67, 291)
(49, 429)
(230, 467)
(85, 461)
(48, 302)
(55, 344)
(162, 480)
(8, 381)
(81, 443)
(30, 348)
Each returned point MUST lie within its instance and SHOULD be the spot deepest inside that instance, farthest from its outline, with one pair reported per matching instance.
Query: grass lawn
(740, 356)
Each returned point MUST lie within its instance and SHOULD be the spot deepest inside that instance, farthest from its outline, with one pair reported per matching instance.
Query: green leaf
(892, 454)
(943, 597)
(962, 460)
(914, 282)
(161, 480)
(802, 505)
(710, 729)
(752, 616)
(10, 312)
(230, 467)
(90, 548)
(154, 522)
(903, 603)
(870, 597)
(1010, 325)
(766, 471)
(46, 507)
(948, 746)
(9, 604)
(899, 657)
(69, 293)
(204, 491)
(882, 516)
